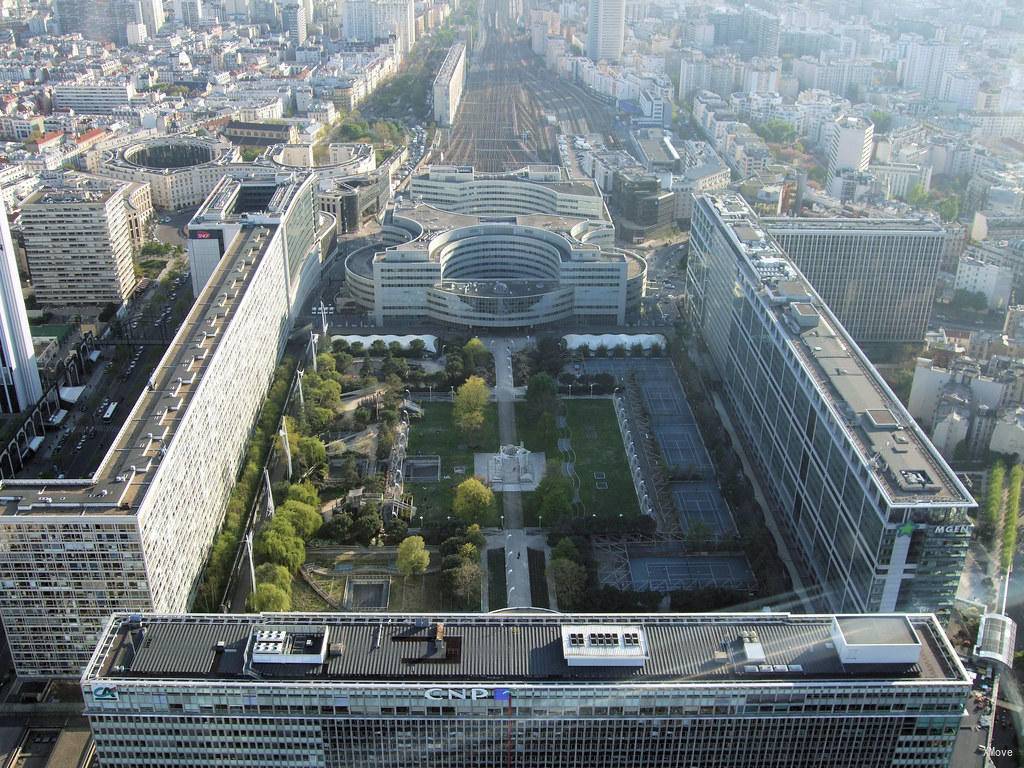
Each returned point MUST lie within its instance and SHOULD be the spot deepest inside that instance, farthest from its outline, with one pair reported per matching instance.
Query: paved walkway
(517, 574)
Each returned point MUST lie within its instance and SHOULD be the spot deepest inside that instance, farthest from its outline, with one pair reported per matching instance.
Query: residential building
(136, 535)
(606, 29)
(20, 387)
(850, 146)
(992, 281)
(877, 275)
(371, 20)
(93, 98)
(925, 65)
(526, 689)
(876, 517)
(78, 245)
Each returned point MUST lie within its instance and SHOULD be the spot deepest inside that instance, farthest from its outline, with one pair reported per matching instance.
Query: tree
(278, 543)
(305, 493)
(465, 583)
(417, 348)
(304, 518)
(475, 353)
(549, 355)
(310, 452)
(270, 597)
(338, 528)
(475, 536)
(366, 527)
(413, 557)
(565, 550)
(882, 121)
(469, 410)
(949, 209)
(541, 396)
(570, 583)
(918, 195)
(473, 501)
(271, 573)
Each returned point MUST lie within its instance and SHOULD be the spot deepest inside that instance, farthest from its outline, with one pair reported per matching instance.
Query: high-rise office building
(524, 691)
(851, 145)
(189, 13)
(136, 534)
(606, 28)
(293, 21)
(20, 387)
(877, 275)
(152, 15)
(79, 244)
(925, 64)
(877, 518)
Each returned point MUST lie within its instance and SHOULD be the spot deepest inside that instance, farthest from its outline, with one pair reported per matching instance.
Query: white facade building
(993, 281)
(850, 146)
(20, 387)
(448, 84)
(93, 98)
(136, 535)
(78, 244)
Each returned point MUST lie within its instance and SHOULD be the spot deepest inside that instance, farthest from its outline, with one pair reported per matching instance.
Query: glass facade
(534, 726)
(864, 552)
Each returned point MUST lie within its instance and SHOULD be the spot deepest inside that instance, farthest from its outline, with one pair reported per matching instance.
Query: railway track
(502, 123)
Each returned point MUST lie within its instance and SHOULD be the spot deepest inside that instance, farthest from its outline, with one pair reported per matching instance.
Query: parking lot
(114, 385)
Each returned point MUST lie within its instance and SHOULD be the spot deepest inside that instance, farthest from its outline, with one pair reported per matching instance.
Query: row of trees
(1012, 512)
(243, 495)
(469, 413)
(282, 542)
(461, 574)
(991, 513)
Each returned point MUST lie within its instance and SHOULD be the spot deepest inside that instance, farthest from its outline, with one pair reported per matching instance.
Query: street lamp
(591, 389)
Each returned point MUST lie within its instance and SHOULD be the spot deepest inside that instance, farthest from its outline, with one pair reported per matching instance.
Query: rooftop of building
(889, 443)
(128, 469)
(656, 147)
(527, 647)
(549, 176)
(836, 223)
(444, 74)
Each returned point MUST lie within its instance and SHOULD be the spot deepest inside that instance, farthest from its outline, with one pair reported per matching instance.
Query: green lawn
(497, 587)
(435, 434)
(304, 599)
(538, 579)
(598, 445)
(532, 437)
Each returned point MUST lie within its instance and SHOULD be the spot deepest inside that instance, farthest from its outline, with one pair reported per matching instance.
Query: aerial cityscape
(511, 383)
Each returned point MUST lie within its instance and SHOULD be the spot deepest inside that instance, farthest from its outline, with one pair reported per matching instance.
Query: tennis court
(701, 503)
(664, 573)
(682, 448)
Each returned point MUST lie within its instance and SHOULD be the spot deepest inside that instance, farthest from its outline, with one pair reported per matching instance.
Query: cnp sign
(465, 694)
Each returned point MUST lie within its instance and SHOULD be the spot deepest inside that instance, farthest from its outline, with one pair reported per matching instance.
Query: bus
(108, 414)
